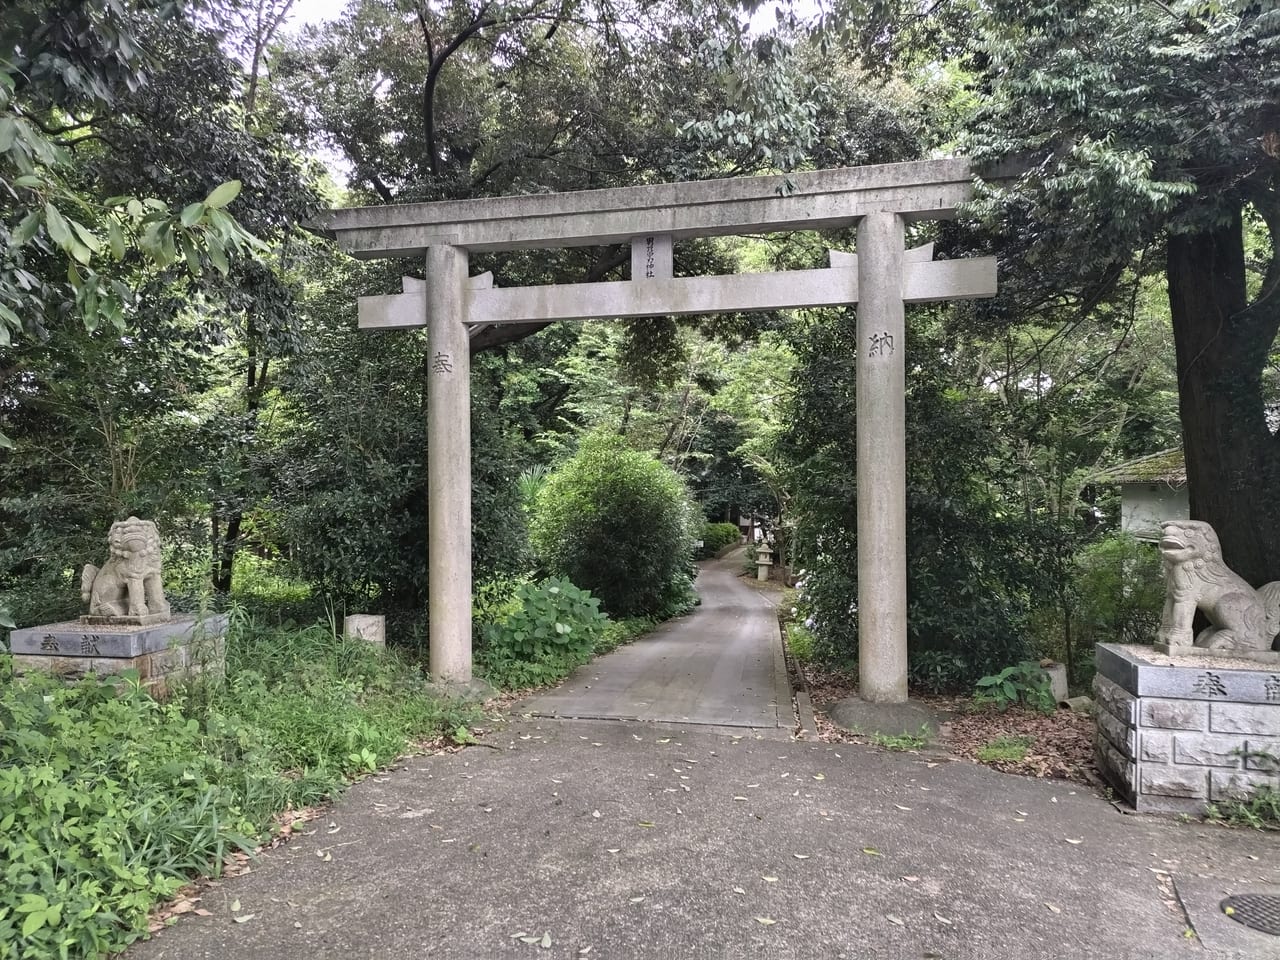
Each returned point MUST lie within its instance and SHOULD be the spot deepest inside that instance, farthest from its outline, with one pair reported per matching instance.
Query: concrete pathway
(721, 665)
(722, 838)
(625, 840)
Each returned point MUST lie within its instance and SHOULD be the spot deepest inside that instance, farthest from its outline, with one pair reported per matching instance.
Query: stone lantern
(764, 560)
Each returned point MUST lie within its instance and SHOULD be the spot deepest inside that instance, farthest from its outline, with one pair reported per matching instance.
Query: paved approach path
(722, 665)
(701, 839)
(662, 842)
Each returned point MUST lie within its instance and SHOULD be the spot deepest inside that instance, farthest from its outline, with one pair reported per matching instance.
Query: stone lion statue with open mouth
(1196, 578)
(129, 584)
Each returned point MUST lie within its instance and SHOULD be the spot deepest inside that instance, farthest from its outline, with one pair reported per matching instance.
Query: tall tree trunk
(224, 556)
(1233, 464)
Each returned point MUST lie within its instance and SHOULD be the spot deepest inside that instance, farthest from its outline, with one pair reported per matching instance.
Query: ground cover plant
(533, 634)
(1024, 682)
(1261, 810)
(113, 800)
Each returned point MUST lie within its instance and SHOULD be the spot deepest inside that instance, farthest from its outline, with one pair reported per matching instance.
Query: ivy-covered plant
(554, 618)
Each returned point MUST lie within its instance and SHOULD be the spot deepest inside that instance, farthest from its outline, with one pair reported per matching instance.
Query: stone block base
(1176, 735)
(163, 657)
(884, 719)
(370, 627)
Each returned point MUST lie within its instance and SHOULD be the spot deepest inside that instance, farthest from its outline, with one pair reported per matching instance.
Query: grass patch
(111, 801)
(1008, 748)
(1261, 811)
(800, 641)
(902, 741)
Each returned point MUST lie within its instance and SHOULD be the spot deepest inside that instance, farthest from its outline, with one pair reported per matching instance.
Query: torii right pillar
(882, 462)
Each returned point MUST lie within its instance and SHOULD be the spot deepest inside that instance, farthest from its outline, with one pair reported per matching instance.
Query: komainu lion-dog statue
(1242, 620)
(128, 585)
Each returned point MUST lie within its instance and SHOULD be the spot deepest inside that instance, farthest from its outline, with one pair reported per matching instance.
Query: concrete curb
(782, 691)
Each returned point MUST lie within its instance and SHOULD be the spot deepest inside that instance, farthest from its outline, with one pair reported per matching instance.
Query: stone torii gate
(880, 278)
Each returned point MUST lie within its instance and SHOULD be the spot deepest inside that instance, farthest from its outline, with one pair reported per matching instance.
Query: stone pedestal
(370, 627)
(1176, 734)
(162, 653)
(909, 718)
(1057, 674)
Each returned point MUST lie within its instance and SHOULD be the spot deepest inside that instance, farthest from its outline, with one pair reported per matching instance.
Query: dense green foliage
(552, 616)
(113, 800)
(1111, 591)
(511, 671)
(717, 536)
(618, 523)
(1119, 589)
(975, 567)
(71, 243)
(1146, 138)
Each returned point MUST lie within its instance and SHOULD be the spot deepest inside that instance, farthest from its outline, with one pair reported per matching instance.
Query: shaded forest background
(159, 358)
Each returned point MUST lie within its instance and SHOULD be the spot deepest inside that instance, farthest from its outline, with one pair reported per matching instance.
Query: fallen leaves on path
(1061, 742)
(284, 825)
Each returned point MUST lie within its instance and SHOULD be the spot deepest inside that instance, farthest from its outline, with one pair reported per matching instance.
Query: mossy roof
(1167, 466)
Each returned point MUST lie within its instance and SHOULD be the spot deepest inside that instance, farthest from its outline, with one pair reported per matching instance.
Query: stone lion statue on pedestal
(1196, 578)
(128, 584)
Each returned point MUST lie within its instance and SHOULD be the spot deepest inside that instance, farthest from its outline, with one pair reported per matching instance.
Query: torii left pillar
(448, 465)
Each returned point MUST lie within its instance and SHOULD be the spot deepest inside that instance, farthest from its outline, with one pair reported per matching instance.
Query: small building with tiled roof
(1152, 489)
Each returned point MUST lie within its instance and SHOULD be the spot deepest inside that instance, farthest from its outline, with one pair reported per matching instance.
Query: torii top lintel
(919, 190)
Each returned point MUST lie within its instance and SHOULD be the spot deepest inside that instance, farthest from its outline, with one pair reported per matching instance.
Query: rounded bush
(618, 523)
(717, 536)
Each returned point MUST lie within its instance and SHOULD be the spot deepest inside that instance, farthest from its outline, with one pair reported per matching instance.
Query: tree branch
(433, 75)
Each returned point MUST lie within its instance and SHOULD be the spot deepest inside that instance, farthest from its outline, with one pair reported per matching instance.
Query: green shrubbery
(717, 536)
(618, 523)
(1119, 587)
(1113, 593)
(532, 634)
(553, 616)
(1024, 683)
(111, 800)
(975, 567)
